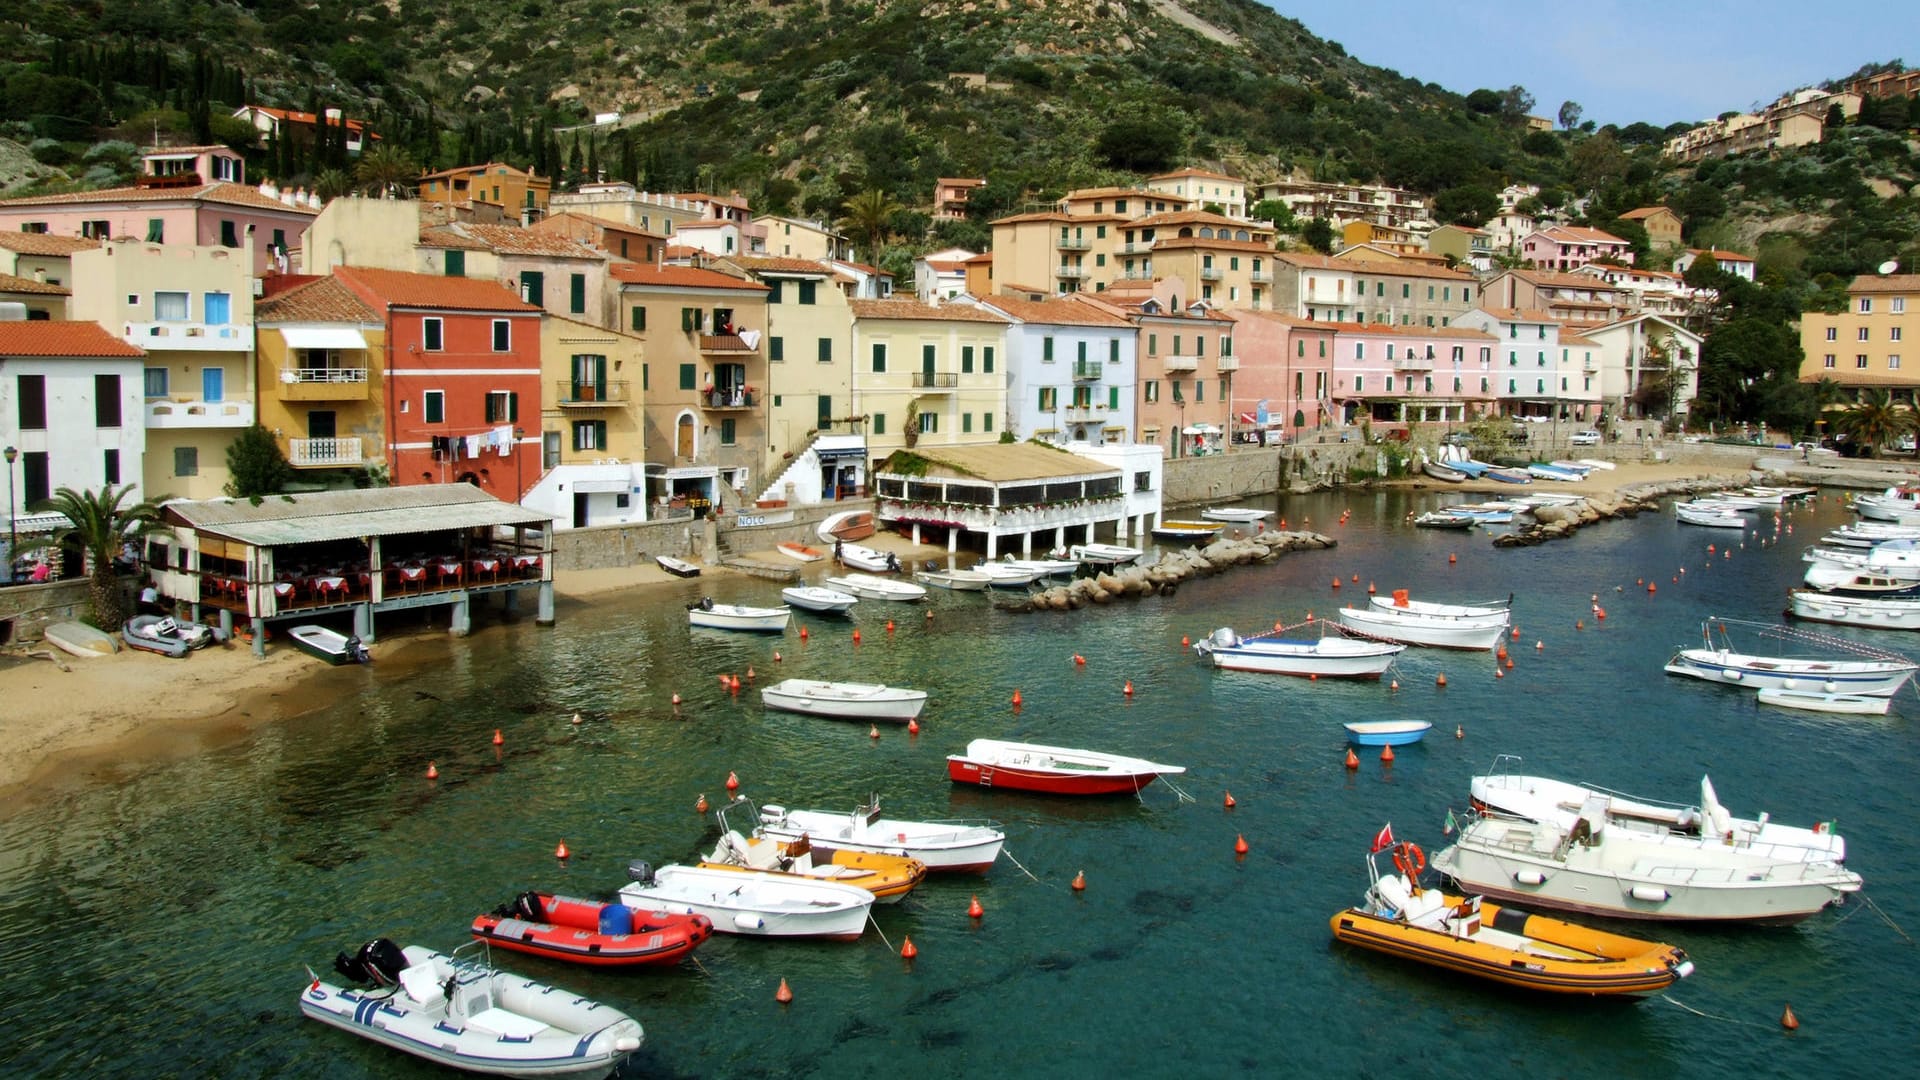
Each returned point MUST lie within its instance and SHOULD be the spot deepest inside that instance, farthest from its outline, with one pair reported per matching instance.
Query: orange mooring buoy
(1240, 844)
(1016, 699)
(783, 995)
(908, 950)
(733, 781)
(561, 851)
(1079, 661)
(749, 672)
(676, 701)
(733, 685)
(1353, 759)
(856, 637)
(1788, 1020)
(873, 731)
(803, 633)
(1509, 663)
(700, 807)
(576, 718)
(889, 626)
(776, 656)
(1369, 588)
(1651, 587)
(1499, 674)
(1516, 634)
(929, 614)
(433, 773)
(1579, 624)
(1185, 641)
(1336, 583)
(1440, 679)
(974, 910)
(1080, 881)
(1386, 754)
(1452, 558)
(913, 727)
(1394, 684)
(1128, 690)
(1459, 731)
(1230, 804)
(1539, 646)
(497, 739)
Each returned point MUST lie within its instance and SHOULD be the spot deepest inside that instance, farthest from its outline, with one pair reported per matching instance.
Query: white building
(71, 404)
(1071, 369)
(941, 275)
(1630, 353)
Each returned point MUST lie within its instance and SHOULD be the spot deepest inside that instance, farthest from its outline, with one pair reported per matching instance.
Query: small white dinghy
(942, 845)
(957, 580)
(846, 700)
(458, 1011)
(868, 587)
(819, 598)
(1814, 701)
(759, 905)
(862, 557)
(80, 639)
(737, 616)
(1239, 515)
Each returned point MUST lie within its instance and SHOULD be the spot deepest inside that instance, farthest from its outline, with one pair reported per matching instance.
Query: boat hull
(1328, 658)
(1874, 614)
(944, 846)
(731, 617)
(847, 525)
(1619, 965)
(1881, 679)
(1475, 633)
(800, 552)
(1235, 514)
(1051, 770)
(1443, 474)
(755, 904)
(845, 701)
(327, 645)
(676, 567)
(1809, 701)
(1103, 554)
(814, 598)
(79, 639)
(867, 587)
(1387, 732)
(956, 580)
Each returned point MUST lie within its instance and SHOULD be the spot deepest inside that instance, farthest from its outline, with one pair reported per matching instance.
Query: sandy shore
(100, 719)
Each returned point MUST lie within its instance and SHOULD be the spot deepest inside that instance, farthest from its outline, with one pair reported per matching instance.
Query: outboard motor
(356, 650)
(378, 963)
(528, 906)
(640, 871)
(706, 603)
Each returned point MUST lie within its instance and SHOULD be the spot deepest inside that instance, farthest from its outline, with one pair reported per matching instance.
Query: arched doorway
(683, 436)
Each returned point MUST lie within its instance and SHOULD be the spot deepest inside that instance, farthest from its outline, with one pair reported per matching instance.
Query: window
(1389, 350)
(637, 318)
(1390, 384)
(879, 358)
(1899, 305)
(986, 421)
(1893, 361)
(1359, 384)
(1153, 344)
(502, 335)
(1150, 390)
(106, 401)
(1049, 398)
(170, 307)
(1174, 384)
(686, 376)
(826, 350)
(727, 431)
(280, 239)
(1861, 334)
(589, 434)
(186, 461)
(1893, 334)
(986, 359)
(966, 359)
(776, 350)
(1829, 360)
(879, 423)
(807, 291)
(577, 294)
(110, 466)
(433, 406)
(1429, 292)
(1866, 305)
(432, 334)
(1833, 333)
(156, 382)
(229, 237)
(454, 264)
(774, 291)
(966, 423)
(689, 319)
(1046, 349)
(1080, 355)
(503, 407)
(1113, 397)
(1860, 360)
(1113, 350)
(32, 398)
(217, 307)
(1406, 290)
(156, 230)
(1176, 344)
(929, 423)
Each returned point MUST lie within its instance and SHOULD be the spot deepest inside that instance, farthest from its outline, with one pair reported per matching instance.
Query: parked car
(1586, 438)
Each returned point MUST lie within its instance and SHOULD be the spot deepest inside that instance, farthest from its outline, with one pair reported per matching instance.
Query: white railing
(1025, 518)
(1183, 363)
(323, 375)
(167, 413)
(323, 453)
(1084, 414)
(1227, 363)
(224, 337)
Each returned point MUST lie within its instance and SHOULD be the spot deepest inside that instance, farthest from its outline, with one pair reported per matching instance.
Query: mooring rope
(1023, 869)
(877, 930)
(1710, 1016)
(1868, 900)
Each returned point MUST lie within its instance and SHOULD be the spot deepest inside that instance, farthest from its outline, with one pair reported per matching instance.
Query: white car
(1586, 438)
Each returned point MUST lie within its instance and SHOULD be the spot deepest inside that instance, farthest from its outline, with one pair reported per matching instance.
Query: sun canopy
(323, 337)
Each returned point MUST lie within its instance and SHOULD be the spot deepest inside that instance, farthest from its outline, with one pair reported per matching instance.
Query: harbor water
(160, 923)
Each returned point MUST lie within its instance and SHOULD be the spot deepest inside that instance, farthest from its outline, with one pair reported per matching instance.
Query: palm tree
(386, 171)
(1827, 393)
(1875, 420)
(101, 526)
(867, 216)
(330, 184)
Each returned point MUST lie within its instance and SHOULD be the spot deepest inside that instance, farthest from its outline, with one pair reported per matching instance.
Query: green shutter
(639, 317)
(726, 431)
(879, 423)
(806, 291)
(1113, 397)
(1113, 351)
(577, 294)
(966, 423)
(513, 406)
(826, 350)
(773, 290)
(986, 360)
(986, 421)
(686, 376)
(879, 358)
(966, 359)
(776, 350)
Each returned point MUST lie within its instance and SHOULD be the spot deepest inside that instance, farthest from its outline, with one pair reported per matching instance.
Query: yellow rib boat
(887, 877)
(1510, 946)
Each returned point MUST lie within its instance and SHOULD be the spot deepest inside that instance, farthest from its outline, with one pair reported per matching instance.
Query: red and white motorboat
(1055, 770)
(591, 932)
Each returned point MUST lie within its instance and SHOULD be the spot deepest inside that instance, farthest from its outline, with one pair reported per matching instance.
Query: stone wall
(600, 546)
(25, 610)
(1220, 477)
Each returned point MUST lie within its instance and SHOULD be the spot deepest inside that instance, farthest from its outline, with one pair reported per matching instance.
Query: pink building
(1286, 370)
(1187, 364)
(1569, 247)
(167, 210)
(1398, 375)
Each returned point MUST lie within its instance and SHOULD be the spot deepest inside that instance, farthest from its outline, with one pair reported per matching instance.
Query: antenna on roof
(1889, 267)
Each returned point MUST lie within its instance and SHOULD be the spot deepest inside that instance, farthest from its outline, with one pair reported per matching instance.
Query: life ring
(1409, 859)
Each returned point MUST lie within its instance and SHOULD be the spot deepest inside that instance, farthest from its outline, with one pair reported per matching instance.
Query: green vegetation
(256, 466)
(99, 525)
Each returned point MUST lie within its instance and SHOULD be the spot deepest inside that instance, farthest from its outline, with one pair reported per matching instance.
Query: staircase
(803, 470)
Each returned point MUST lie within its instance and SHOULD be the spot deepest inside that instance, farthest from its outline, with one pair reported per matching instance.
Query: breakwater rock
(1163, 577)
(1559, 522)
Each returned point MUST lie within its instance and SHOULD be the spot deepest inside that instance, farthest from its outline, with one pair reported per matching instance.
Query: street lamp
(13, 539)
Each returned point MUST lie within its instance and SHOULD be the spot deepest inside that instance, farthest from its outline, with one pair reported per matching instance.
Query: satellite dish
(1889, 267)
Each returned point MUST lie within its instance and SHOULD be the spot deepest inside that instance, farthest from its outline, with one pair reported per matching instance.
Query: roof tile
(62, 338)
(398, 288)
(679, 277)
(26, 243)
(326, 300)
(11, 283)
(914, 309)
(1057, 312)
(226, 194)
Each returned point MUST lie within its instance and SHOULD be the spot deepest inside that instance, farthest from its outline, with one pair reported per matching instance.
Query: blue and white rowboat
(1386, 732)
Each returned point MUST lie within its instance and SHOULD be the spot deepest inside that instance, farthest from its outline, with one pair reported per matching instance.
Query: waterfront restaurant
(352, 553)
(999, 490)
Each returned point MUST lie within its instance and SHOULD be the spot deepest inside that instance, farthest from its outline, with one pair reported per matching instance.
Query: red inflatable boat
(591, 932)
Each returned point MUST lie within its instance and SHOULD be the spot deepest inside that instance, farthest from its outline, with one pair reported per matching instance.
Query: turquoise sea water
(159, 926)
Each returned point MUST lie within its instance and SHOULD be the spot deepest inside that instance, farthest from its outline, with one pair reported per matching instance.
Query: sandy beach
(74, 721)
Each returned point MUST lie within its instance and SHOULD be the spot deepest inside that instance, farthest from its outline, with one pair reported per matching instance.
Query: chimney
(40, 274)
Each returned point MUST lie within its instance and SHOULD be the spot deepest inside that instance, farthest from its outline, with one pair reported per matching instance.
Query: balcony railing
(1023, 518)
(168, 413)
(1227, 363)
(727, 399)
(323, 375)
(1263, 277)
(323, 384)
(1075, 244)
(935, 380)
(324, 453)
(1084, 414)
(221, 337)
(1413, 363)
(570, 394)
(1140, 248)
(1075, 272)
(1210, 273)
(1087, 370)
(1183, 363)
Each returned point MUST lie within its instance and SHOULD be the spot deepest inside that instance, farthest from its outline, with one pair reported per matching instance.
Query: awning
(600, 487)
(840, 453)
(1203, 429)
(327, 337)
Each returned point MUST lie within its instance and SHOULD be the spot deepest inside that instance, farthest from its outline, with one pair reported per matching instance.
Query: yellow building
(320, 356)
(517, 195)
(809, 352)
(928, 373)
(591, 403)
(1226, 263)
(191, 309)
(798, 238)
(1862, 348)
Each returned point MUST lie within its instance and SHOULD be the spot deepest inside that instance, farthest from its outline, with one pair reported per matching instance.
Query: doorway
(320, 424)
(580, 500)
(683, 438)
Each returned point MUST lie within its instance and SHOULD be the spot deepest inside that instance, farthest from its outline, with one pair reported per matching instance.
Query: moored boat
(1387, 732)
(818, 598)
(868, 587)
(1712, 518)
(887, 877)
(676, 567)
(590, 931)
(1103, 554)
(844, 700)
(847, 525)
(1874, 613)
(755, 904)
(803, 553)
(1509, 475)
(1416, 622)
(1814, 701)
(957, 580)
(1468, 935)
(714, 616)
(1045, 567)
(1439, 519)
(1004, 575)
(1554, 472)
(1329, 656)
(328, 645)
(165, 635)
(1442, 472)
(1187, 532)
(79, 639)
(1879, 673)
(947, 846)
(493, 1022)
(862, 557)
(1239, 515)
(1053, 770)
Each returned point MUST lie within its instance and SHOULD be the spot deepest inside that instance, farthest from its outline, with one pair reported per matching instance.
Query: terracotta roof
(1192, 217)
(775, 264)
(1887, 283)
(1579, 234)
(1397, 330)
(1577, 341)
(1183, 243)
(54, 338)
(326, 300)
(983, 257)
(228, 194)
(304, 117)
(949, 181)
(1294, 321)
(1643, 213)
(945, 266)
(1113, 192)
(1039, 215)
(914, 309)
(1004, 463)
(1058, 312)
(1556, 278)
(26, 243)
(683, 251)
(398, 288)
(510, 240)
(1372, 269)
(471, 170)
(559, 219)
(1526, 315)
(14, 284)
(1184, 313)
(679, 277)
(442, 236)
(1720, 256)
(1177, 174)
(860, 266)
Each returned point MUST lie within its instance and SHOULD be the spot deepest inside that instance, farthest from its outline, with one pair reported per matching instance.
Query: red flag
(1384, 838)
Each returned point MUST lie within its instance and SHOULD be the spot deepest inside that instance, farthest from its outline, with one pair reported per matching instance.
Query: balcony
(572, 395)
(1084, 414)
(1087, 370)
(168, 413)
(1183, 363)
(1263, 277)
(1017, 518)
(1073, 273)
(1075, 244)
(726, 345)
(187, 336)
(727, 400)
(334, 453)
(1227, 363)
(1413, 363)
(935, 380)
(1142, 248)
(323, 384)
(1210, 273)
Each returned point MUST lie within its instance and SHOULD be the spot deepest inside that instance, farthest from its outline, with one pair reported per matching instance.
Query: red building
(462, 370)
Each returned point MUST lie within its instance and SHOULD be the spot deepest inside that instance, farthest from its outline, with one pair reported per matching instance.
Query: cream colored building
(1204, 188)
(809, 355)
(593, 462)
(937, 370)
(191, 309)
(798, 238)
(1865, 346)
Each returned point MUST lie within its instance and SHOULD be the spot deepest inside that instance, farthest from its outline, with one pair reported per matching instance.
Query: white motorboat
(737, 616)
(1540, 798)
(1900, 505)
(1689, 514)
(676, 567)
(1239, 515)
(1603, 869)
(868, 587)
(458, 1010)
(1187, 532)
(862, 557)
(818, 598)
(957, 580)
(1442, 626)
(757, 905)
(1784, 493)
(942, 845)
(325, 643)
(1880, 673)
(1103, 554)
(1065, 568)
(1596, 463)
(1437, 519)
(1329, 656)
(1893, 558)
(1815, 701)
(1866, 534)
(1723, 500)
(1052, 770)
(1002, 575)
(1838, 580)
(845, 700)
(1877, 613)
